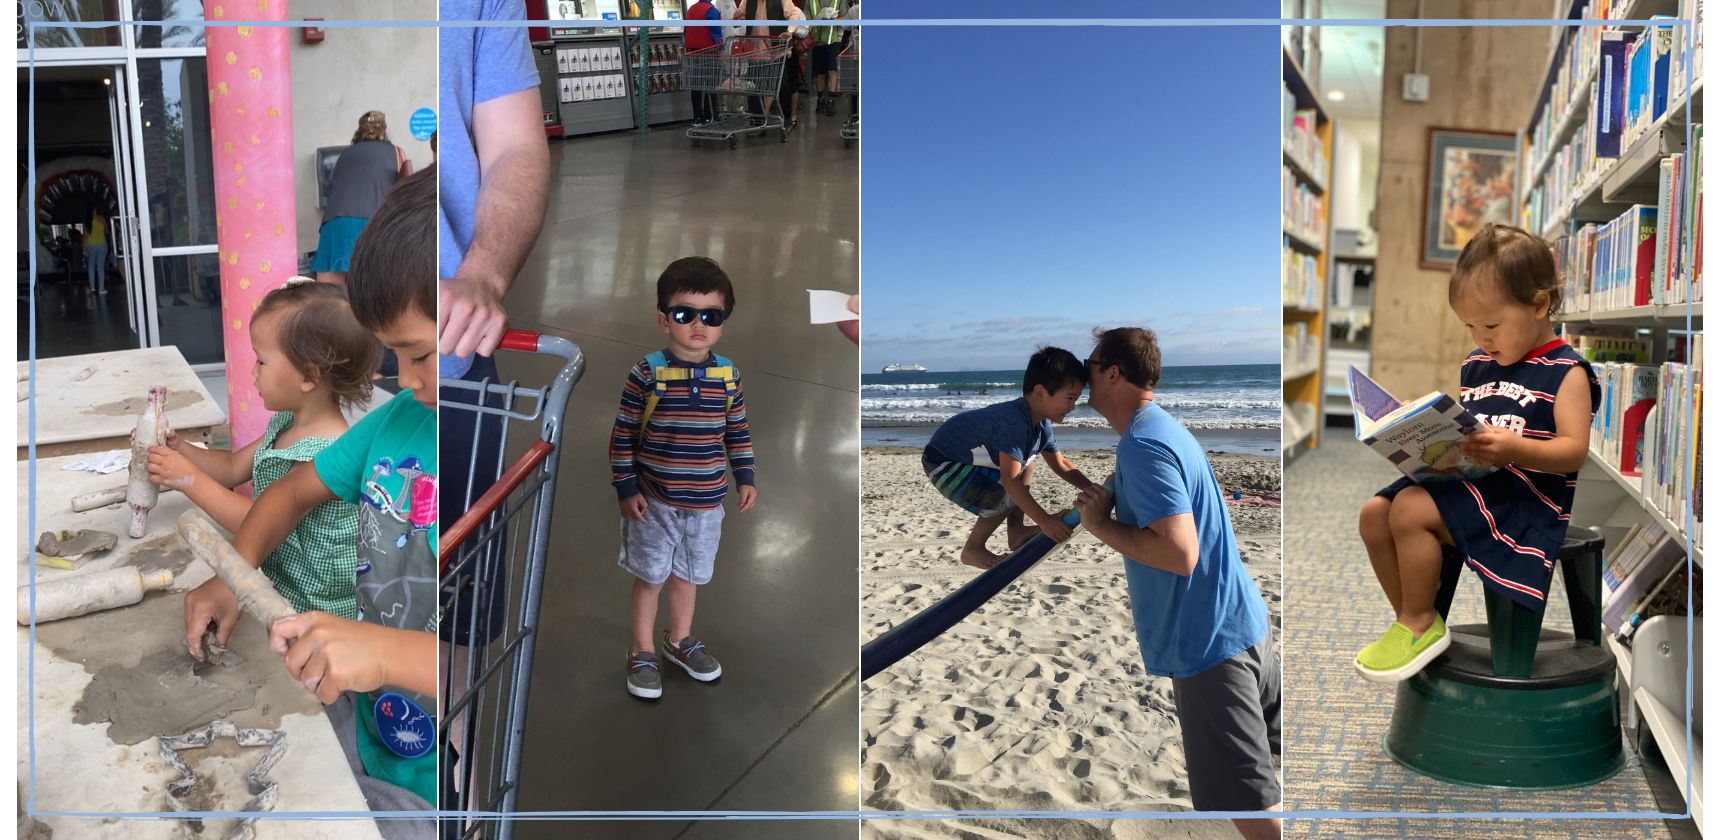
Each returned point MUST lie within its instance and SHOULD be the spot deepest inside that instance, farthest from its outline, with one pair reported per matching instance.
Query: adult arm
(513, 170)
(1170, 544)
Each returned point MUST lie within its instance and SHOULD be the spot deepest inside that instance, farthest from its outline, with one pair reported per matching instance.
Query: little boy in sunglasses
(681, 410)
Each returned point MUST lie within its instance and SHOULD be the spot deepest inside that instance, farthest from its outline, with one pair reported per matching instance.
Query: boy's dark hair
(694, 276)
(1516, 262)
(393, 262)
(321, 339)
(1135, 352)
(1053, 368)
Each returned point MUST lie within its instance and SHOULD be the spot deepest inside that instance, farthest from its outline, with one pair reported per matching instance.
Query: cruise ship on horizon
(907, 368)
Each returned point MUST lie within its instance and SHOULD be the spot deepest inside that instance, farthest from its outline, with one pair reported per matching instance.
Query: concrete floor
(779, 730)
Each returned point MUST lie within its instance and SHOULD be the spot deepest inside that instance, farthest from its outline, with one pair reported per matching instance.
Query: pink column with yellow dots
(251, 123)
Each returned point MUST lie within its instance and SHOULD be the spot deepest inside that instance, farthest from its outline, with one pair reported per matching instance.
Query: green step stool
(1509, 704)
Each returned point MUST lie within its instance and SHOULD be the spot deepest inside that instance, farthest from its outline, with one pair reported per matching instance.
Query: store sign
(423, 123)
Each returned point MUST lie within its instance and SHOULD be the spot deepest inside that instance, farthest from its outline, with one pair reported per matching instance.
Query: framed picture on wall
(1471, 181)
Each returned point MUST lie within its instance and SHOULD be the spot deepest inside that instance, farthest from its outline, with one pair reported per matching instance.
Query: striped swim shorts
(975, 489)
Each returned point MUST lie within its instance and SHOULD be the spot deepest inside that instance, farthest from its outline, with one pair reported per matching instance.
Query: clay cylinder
(100, 498)
(83, 594)
(251, 588)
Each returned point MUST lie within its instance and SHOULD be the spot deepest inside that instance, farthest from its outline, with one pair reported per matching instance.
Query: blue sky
(1020, 186)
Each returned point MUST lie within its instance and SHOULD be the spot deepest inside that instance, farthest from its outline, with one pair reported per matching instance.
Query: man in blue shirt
(494, 186)
(1199, 617)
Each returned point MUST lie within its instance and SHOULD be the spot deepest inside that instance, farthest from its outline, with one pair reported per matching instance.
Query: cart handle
(525, 341)
(492, 499)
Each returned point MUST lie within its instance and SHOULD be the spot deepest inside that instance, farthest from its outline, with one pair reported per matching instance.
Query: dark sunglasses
(686, 314)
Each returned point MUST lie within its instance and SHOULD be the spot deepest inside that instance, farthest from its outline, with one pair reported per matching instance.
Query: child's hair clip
(298, 279)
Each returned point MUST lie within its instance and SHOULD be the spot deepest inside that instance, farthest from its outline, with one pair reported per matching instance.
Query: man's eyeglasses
(1095, 363)
(686, 314)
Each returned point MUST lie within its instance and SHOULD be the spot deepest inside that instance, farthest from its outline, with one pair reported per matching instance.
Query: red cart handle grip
(522, 340)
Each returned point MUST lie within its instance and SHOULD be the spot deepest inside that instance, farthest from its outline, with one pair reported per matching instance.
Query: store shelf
(1295, 309)
(1293, 374)
(1621, 656)
(1632, 486)
(1304, 172)
(1668, 315)
(1682, 757)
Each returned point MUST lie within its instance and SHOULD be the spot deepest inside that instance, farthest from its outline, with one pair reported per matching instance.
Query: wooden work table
(99, 412)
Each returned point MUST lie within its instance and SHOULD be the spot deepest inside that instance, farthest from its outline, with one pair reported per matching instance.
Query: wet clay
(161, 696)
(135, 405)
(167, 552)
(120, 639)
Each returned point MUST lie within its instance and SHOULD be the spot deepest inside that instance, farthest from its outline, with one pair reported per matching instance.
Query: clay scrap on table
(161, 696)
(69, 549)
(265, 791)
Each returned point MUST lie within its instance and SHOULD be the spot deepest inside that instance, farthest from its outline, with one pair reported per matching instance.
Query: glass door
(122, 227)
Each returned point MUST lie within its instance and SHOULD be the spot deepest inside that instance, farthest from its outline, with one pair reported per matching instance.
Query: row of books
(1678, 251)
(1302, 285)
(1603, 347)
(1303, 214)
(1636, 77)
(1647, 256)
(1672, 441)
(1645, 576)
(1579, 51)
(1301, 348)
(1629, 391)
(1300, 140)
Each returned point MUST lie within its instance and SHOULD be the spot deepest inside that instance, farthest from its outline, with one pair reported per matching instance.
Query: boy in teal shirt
(380, 669)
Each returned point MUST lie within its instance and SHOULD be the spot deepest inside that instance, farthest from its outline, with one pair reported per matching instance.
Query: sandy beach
(1037, 701)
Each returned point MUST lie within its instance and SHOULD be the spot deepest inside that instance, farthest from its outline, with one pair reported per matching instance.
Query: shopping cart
(733, 71)
(848, 81)
(491, 569)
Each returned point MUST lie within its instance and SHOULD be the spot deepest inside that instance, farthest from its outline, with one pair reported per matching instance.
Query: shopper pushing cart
(492, 570)
(733, 70)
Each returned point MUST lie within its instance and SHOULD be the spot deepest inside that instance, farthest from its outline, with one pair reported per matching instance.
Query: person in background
(96, 253)
(363, 175)
(694, 38)
(827, 42)
(789, 90)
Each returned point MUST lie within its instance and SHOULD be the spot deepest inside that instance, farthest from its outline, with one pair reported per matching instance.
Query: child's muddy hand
(749, 496)
(633, 507)
(329, 655)
(168, 468)
(211, 603)
(173, 440)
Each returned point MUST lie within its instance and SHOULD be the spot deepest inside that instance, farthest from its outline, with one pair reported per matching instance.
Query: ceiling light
(1335, 95)
(108, 82)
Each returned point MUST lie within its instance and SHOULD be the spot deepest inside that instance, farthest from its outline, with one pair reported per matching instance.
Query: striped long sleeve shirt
(679, 460)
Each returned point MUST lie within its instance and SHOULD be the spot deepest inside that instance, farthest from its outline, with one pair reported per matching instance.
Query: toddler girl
(313, 360)
(1534, 395)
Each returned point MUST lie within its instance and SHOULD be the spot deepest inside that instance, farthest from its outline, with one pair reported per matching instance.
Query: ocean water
(1231, 408)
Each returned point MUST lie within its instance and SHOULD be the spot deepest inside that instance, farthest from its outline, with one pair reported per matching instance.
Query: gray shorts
(1230, 716)
(672, 540)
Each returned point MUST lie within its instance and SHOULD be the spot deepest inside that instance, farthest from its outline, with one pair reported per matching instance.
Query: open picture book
(1422, 438)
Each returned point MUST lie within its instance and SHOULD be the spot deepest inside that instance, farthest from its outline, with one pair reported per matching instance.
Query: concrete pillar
(251, 128)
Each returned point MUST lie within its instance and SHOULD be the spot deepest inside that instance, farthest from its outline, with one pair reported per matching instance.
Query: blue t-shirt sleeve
(502, 57)
(341, 466)
(1150, 477)
(716, 31)
(1050, 439)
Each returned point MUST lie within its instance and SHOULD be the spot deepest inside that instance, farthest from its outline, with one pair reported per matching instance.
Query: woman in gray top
(362, 176)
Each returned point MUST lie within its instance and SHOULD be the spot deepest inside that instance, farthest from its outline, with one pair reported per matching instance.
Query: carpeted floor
(1334, 721)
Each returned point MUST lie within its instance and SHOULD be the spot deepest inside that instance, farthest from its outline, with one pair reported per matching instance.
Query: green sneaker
(1398, 655)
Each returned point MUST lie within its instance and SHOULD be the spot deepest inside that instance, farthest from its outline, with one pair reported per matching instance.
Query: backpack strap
(662, 373)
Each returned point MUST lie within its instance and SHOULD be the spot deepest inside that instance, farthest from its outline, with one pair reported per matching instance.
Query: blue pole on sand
(931, 622)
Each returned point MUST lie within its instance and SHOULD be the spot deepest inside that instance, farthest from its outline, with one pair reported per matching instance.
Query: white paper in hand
(830, 307)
